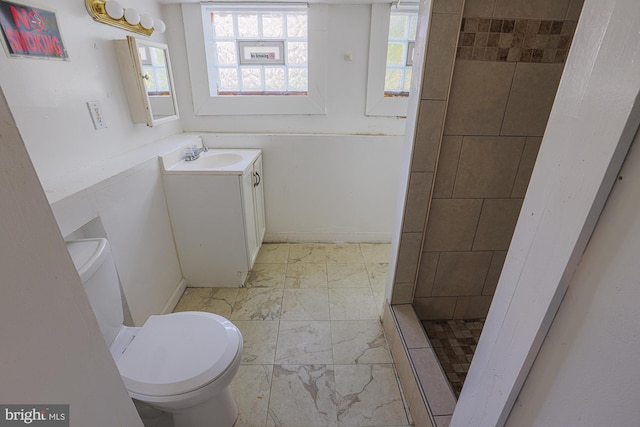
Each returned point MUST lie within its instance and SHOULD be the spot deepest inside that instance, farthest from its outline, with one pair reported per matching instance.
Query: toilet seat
(177, 353)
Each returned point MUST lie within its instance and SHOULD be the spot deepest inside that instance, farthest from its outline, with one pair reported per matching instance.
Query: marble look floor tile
(273, 253)
(259, 341)
(375, 252)
(302, 395)
(307, 252)
(305, 304)
(306, 275)
(267, 276)
(257, 304)
(368, 395)
(343, 254)
(359, 341)
(304, 342)
(250, 388)
(213, 300)
(347, 276)
(377, 274)
(352, 304)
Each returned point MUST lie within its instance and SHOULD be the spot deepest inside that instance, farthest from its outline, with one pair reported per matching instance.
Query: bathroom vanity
(216, 205)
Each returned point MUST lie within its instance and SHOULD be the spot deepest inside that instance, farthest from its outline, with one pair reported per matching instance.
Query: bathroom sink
(215, 161)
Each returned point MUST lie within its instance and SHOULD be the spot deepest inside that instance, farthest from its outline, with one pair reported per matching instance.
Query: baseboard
(339, 237)
(175, 297)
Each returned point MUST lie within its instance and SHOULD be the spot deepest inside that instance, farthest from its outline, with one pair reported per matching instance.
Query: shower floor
(454, 342)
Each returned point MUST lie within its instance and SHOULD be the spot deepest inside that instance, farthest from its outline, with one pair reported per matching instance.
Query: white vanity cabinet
(218, 221)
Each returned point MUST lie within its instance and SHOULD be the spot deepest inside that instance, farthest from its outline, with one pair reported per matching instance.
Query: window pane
(251, 78)
(413, 27)
(228, 79)
(395, 54)
(407, 80)
(297, 25)
(397, 26)
(227, 54)
(298, 79)
(297, 53)
(222, 24)
(274, 78)
(248, 25)
(272, 25)
(393, 81)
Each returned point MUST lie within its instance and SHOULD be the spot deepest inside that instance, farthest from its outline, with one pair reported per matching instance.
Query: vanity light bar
(110, 12)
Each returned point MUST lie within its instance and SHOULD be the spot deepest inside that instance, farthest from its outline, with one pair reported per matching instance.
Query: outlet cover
(96, 115)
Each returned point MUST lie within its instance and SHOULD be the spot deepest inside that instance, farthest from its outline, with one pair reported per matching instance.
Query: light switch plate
(96, 115)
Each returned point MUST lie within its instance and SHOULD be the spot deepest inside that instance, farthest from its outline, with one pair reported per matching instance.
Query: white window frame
(377, 104)
(205, 105)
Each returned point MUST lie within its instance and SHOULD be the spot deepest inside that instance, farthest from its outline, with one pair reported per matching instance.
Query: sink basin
(216, 160)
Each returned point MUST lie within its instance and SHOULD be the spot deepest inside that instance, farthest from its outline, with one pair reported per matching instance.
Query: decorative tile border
(515, 40)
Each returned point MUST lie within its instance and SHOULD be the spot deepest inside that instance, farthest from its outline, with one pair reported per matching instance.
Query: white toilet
(181, 363)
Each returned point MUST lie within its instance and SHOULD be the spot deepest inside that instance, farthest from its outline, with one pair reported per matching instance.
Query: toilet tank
(92, 258)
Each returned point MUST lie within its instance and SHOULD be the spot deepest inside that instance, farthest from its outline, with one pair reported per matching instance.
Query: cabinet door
(258, 199)
(249, 217)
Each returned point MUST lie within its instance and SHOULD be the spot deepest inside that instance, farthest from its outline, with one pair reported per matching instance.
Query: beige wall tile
(410, 327)
(441, 52)
(525, 169)
(443, 421)
(488, 166)
(575, 8)
(531, 9)
(497, 262)
(461, 273)
(431, 308)
(532, 93)
(402, 293)
(428, 133)
(448, 6)
(426, 273)
(418, 196)
(472, 307)
(478, 8)
(452, 224)
(478, 99)
(447, 166)
(408, 257)
(497, 222)
(436, 388)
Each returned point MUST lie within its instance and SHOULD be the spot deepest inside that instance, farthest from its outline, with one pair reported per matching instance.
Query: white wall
(48, 98)
(587, 372)
(52, 349)
(325, 187)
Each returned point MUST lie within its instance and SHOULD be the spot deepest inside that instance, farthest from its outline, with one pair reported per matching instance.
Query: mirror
(146, 69)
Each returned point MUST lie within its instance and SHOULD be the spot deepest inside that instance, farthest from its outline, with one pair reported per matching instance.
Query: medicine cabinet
(148, 80)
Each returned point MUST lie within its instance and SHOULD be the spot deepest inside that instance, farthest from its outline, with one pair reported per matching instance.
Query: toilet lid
(179, 352)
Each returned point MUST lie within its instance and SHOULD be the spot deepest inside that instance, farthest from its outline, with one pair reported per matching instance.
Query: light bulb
(159, 26)
(114, 9)
(146, 21)
(132, 16)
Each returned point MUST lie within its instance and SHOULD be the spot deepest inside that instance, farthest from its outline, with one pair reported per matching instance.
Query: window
(391, 48)
(402, 35)
(256, 50)
(154, 66)
(255, 59)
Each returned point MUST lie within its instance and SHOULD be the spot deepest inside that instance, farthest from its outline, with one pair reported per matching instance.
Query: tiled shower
(492, 69)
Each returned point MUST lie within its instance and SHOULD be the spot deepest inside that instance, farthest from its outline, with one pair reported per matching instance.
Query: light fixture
(111, 12)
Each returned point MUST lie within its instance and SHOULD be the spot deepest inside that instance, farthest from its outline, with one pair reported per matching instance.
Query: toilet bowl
(181, 363)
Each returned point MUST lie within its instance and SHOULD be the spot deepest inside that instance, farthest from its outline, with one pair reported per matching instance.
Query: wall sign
(30, 31)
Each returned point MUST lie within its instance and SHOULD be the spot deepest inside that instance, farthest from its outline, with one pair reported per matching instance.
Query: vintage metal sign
(30, 31)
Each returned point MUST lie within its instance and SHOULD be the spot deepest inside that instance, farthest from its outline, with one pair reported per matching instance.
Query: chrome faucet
(193, 153)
